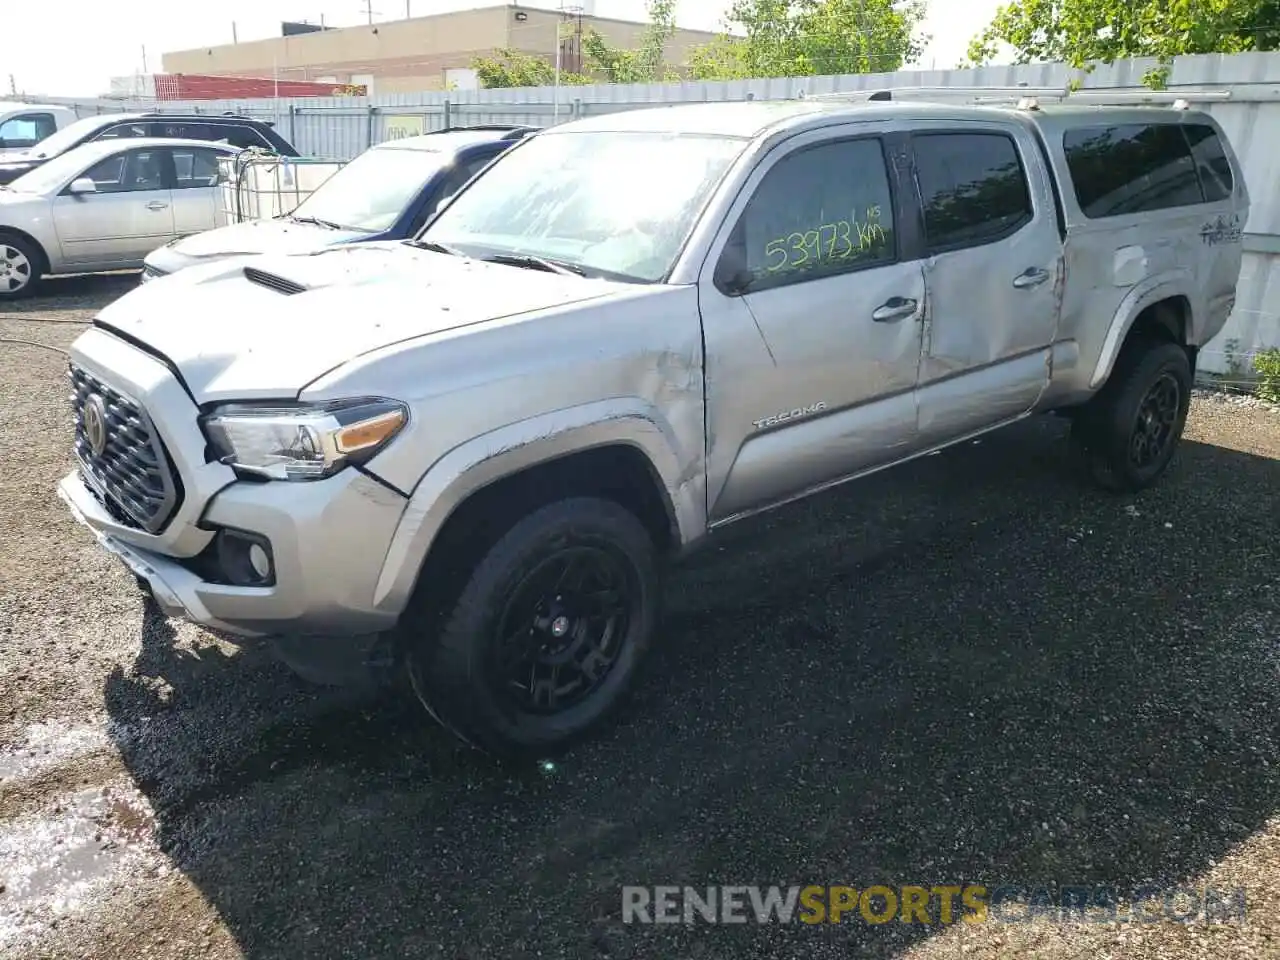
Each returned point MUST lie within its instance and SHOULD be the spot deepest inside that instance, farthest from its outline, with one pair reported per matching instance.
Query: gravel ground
(976, 669)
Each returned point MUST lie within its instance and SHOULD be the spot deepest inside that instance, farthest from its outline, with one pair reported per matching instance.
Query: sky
(66, 49)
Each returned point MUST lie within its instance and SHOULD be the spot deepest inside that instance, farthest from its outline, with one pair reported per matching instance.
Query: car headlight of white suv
(302, 441)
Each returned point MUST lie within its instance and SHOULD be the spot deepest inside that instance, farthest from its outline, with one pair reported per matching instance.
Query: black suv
(235, 130)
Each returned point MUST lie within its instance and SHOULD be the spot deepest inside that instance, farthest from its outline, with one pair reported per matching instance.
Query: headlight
(302, 441)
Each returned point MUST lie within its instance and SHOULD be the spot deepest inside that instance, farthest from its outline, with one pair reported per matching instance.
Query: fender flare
(501, 453)
(1163, 286)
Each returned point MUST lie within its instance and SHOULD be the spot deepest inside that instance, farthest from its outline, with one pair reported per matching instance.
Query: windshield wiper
(319, 223)
(530, 262)
(435, 247)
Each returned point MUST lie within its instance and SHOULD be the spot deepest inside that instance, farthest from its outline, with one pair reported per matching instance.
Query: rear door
(195, 194)
(130, 215)
(992, 271)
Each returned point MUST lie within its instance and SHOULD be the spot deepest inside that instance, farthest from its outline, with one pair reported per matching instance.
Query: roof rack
(1028, 98)
(511, 129)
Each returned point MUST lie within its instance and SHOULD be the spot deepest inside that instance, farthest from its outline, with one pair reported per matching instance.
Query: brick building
(423, 53)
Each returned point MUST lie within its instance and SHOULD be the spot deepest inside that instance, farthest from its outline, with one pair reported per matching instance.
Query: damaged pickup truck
(468, 456)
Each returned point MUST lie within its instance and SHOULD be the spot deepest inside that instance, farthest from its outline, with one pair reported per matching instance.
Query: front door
(130, 215)
(811, 372)
(993, 275)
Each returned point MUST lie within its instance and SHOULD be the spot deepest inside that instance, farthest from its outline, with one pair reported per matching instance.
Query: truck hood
(233, 338)
(261, 236)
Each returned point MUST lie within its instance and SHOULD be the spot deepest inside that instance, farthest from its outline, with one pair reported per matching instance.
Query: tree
(509, 68)
(646, 63)
(780, 38)
(1084, 33)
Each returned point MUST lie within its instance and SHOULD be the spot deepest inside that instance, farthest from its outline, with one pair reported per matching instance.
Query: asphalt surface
(976, 668)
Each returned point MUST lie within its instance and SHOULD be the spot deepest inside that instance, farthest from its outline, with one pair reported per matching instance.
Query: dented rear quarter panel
(1115, 267)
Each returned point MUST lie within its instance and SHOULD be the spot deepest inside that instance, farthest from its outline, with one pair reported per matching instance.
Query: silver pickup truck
(467, 457)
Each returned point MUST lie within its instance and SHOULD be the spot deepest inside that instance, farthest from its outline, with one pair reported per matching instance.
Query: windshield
(371, 191)
(619, 204)
(51, 175)
(68, 137)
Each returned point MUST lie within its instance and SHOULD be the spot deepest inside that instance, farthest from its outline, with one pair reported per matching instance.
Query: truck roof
(751, 118)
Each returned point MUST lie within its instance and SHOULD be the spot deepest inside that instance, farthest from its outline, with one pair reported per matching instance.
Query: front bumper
(327, 540)
(327, 546)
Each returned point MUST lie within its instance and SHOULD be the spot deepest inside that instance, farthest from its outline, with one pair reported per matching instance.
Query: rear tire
(542, 644)
(1129, 432)
(21, 267)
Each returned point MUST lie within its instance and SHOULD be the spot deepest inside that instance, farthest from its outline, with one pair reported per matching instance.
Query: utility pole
(555, 97)
(369, 11)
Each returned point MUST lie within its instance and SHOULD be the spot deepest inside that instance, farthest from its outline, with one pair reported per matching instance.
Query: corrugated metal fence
(342, 127)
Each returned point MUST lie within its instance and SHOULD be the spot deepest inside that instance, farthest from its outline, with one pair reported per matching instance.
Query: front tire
(542, 644)
(1129, 432)
(20, 267)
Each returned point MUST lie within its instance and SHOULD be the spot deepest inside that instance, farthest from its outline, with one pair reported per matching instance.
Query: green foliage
(645, 64)
(508, 68)
(1085, 33)
(1267, 364)
(781, 38)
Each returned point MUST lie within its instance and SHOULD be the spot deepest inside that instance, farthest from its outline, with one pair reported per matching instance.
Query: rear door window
(973, 188)
(194, 168)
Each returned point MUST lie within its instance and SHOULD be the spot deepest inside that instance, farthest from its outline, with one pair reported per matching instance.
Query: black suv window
(183, 131)
(117, 130)
(973, 188)
(822, 210)
(238, 135)
(1134, 168)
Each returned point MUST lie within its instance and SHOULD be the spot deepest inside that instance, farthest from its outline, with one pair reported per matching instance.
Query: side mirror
(732, 278)
(82, 186)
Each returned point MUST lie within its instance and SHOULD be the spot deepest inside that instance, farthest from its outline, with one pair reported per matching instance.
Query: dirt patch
(976, 669)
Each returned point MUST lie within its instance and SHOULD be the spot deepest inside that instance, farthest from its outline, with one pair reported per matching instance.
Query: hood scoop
(273, 282)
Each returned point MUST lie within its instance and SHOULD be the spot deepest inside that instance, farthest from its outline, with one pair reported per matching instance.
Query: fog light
(260, 562)
(244, 559)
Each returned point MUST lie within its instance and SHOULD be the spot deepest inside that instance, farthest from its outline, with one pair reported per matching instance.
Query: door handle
(895, 308)
(1031, 277)
(157, 205)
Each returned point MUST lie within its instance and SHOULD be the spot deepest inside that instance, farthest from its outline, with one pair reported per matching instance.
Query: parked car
(23, 125)
(468, 456)
(105, 206)
(386, 193)
(241, 132)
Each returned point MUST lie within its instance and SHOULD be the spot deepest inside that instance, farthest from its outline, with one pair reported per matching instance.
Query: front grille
(130, 474)
(150, 273)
